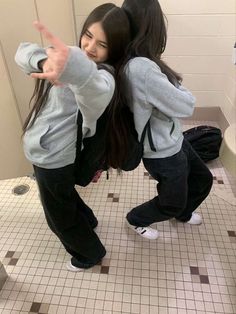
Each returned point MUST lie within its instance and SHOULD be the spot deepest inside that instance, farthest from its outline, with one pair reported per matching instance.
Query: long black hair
(39, 99)
(149, 34)
(115, 25)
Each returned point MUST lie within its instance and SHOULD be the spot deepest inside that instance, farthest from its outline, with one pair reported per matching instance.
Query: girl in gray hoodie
(155, 92)
(69, 80)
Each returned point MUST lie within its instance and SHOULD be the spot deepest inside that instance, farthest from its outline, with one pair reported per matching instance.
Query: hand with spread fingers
(57, 56)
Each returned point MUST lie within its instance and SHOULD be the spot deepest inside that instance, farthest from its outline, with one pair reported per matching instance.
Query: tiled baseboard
(3, 275)
(209, 114)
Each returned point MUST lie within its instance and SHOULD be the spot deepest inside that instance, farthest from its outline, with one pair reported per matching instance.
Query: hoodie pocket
(34, 140)
(175, 132)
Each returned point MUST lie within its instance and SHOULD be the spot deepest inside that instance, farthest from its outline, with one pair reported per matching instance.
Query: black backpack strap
(79, 133)
(147, 129)
(153, 148)
(143, 133)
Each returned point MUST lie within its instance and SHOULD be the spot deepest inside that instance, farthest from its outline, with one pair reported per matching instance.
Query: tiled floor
(188, 269)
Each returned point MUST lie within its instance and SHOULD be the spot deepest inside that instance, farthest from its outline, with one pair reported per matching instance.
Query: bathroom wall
(16, 19)
(201, 35)
(201, 38)
(12, 161)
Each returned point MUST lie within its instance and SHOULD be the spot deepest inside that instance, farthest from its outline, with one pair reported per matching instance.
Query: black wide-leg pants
(184, 181)
(67, 215)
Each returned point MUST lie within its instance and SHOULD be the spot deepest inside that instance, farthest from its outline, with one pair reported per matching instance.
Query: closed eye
(88, 34)
(103, 45)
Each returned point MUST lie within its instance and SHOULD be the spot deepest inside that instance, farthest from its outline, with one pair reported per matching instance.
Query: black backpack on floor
(205, 140)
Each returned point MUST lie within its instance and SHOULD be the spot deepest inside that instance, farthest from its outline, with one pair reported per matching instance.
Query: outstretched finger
(55, 41)
(50, 76)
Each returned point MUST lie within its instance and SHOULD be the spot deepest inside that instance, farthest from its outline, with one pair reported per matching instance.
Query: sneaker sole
(70, 267)
(143, 233)
(195, 223)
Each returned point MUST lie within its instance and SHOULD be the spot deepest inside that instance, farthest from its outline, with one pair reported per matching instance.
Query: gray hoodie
(51, 141)
(156, 98)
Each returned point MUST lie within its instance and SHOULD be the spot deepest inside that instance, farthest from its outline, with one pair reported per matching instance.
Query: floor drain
(21, 189)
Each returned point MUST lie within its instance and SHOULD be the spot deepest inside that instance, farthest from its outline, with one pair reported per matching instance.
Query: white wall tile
(201, 34)
(231, 71)
(199, 64)
(80, 19)
(11, 35)
(229, 110)
(84, 7)
(209, 99)
(12, 162)
(198, 6)
(52, 13)
(204, 82)
(230, 90)
(201, 25)
(201, 46)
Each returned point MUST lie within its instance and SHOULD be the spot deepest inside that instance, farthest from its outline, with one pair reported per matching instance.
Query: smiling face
(94, 43)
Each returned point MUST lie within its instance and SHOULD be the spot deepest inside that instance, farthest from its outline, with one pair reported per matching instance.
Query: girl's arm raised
(93, 88)
(57, 55)
(28, 57)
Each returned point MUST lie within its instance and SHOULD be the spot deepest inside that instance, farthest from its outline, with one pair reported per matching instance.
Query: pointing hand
(58, 54)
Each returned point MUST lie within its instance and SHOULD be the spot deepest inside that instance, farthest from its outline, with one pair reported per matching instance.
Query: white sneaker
(196, 219)
(71, 267)
(145, 232)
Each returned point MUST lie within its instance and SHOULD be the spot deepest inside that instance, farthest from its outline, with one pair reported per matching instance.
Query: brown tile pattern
(35, 307)
(11, 258)
(113, 197)
(232, 234)
(204, 279)
(38, 307)
(101, 268)
(199, 274)
(104, 269)
(13, 261)
(10, 254)
(194, 270)
(218, 180)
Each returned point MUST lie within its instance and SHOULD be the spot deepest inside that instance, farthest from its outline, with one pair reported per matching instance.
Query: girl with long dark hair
(72, 79)
(155, 93)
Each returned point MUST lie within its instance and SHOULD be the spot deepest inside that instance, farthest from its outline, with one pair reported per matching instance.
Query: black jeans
(67, 215)
(184, 182)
